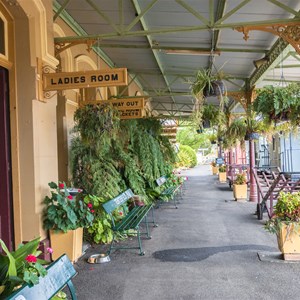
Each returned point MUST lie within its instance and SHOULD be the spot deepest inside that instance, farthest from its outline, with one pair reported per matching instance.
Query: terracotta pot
(240, 192)
(69, 243)
(222, 177)
(288, 239)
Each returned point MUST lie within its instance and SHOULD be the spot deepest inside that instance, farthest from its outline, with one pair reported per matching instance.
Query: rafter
(285, 7)
(104, 16)
(177, 29)
(193, 12)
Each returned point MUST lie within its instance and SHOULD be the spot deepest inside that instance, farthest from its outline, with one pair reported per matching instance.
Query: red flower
(70, 197)
(31, 258)
(79, 190)
(61, 185)
(92, 211)
(90, 205)
(120, 213)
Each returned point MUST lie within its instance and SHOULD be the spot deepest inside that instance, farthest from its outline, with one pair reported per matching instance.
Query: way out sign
(84, 79)
(121, 104)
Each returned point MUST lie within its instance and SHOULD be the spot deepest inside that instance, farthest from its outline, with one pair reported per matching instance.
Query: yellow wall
(41, 130)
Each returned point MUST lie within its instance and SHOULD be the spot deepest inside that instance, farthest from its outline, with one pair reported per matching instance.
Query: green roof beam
(104, 16)
(193, 12)
(230, 13)
(174, 30)
(151, 4)
(62, 7)
(285, 7)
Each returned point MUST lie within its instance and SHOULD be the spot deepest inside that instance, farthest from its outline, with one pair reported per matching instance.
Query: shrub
(222, 169)
(240, 179)
(186, 157)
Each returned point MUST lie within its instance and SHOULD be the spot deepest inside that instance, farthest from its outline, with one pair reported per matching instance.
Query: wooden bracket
(60, 47)
(288, 32)
(244, 98)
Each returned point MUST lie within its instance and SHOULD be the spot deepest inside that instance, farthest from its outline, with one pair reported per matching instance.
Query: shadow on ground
(198, 254)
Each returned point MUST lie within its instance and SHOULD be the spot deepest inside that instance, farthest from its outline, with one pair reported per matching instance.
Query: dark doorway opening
(6, 207)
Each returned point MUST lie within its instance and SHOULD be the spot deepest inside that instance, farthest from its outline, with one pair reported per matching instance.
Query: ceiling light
(192, 52)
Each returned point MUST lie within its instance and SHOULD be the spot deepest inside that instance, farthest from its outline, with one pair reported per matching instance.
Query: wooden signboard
(84, 79)
(131, 114)
(170, 130)
(121, 104)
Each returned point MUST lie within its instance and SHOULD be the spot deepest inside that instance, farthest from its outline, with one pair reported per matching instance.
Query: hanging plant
(278, 104)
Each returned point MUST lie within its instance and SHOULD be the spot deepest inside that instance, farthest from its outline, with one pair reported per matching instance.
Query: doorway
(6, 207)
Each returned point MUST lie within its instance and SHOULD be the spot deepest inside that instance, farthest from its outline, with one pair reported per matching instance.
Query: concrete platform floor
(206, 249)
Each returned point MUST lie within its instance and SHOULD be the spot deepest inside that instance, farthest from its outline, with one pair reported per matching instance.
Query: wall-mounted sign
(170, 130)
(131, 114)
(121, 104)
(84, 79)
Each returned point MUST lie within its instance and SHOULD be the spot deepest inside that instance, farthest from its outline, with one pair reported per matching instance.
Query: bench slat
(59, 274)
(134, 218)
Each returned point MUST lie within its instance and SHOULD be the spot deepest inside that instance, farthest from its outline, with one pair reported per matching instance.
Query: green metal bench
(168, 193)
(131, 220)
(59, 274)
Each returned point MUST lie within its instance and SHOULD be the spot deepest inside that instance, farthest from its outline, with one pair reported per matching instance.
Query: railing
(275, 183)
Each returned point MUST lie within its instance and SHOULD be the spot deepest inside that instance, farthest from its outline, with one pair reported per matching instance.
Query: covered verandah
(211, 247)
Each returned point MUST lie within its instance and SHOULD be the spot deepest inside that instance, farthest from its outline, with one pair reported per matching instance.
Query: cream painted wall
(36, 120)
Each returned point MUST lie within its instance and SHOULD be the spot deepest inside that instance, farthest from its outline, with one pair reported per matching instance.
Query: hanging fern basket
(214, 88)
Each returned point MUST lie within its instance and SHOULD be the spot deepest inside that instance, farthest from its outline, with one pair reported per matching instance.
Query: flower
(121, 213)
(31, 258)
(49, 250)
(92, 211)
(61, 185)
(61, 214)
(90, 205)
(22, 264)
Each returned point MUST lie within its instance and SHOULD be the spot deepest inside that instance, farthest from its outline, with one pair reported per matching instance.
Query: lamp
(258, 63)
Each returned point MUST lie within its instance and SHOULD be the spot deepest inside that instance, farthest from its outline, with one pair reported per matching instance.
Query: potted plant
(20, 266)
(210, 115)
(214, 168)
(240, 187)
(279, 104)
(285, 223)
(222, 174)
(65, 216)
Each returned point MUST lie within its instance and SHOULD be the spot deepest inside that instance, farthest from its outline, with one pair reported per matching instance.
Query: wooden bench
(131, 220)
(169, 193)
(59, 274)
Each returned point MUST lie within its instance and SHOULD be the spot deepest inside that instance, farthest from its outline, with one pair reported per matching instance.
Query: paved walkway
(206, 249)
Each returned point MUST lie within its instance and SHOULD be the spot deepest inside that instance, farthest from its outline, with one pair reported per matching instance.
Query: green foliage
(222, 169)
(287, 210)
(188, 136)
(186, 157)
(20, 266)
(279, 103)
(211, 113)
(129, 154)
(64, 212)
(240, 179)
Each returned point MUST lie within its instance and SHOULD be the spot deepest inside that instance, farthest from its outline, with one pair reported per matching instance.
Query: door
(6, 214)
